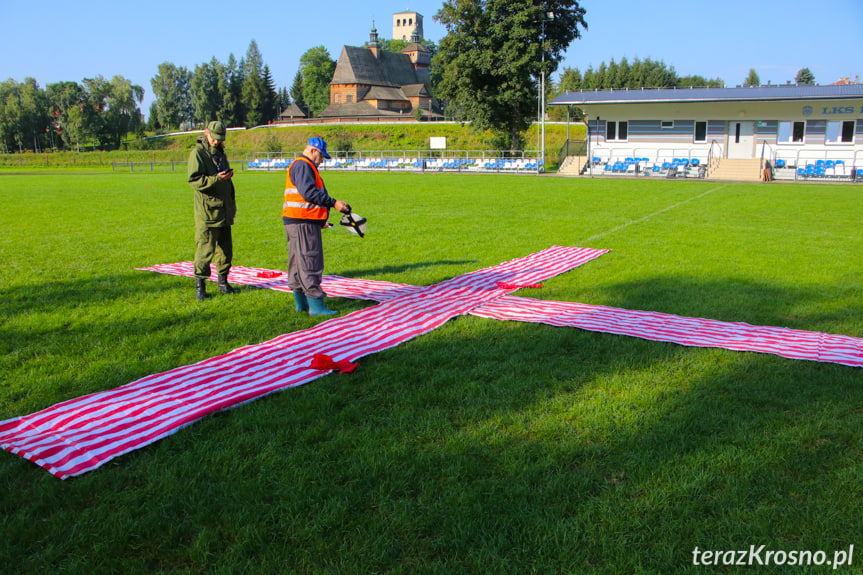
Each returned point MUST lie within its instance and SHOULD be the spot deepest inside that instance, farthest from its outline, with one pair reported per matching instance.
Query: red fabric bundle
(322, 361)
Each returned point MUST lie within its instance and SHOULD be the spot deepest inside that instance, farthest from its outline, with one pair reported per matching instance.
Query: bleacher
(413, 164)
(837, 170)
(646, 167)
(827, 170)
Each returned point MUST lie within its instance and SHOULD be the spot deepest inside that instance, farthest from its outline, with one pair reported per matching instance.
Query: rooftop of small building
(779, 92)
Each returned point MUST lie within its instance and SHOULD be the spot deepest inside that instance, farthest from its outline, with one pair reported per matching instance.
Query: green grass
(482, 447)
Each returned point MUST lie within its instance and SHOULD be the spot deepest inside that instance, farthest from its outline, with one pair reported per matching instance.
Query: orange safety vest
(295, 205)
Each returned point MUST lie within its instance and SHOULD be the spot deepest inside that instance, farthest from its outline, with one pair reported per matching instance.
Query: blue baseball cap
(321, 145)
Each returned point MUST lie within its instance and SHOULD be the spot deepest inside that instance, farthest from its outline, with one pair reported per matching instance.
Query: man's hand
(341, 206)
(226, 175)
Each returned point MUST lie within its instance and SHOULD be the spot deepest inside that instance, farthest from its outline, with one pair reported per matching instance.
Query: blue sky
(54, 41)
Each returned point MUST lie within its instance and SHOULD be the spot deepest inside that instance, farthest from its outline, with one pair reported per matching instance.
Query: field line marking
(647, 217)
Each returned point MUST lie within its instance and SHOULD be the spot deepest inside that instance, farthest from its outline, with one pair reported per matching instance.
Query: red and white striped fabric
(82, 434)
(789, 343)
(334, 286)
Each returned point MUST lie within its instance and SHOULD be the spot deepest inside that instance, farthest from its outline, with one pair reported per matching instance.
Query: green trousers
(213, 245)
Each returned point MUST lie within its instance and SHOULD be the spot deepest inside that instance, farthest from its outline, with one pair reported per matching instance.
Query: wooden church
(370, 84)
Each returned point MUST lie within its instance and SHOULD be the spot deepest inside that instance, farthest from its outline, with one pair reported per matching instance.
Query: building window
(840, 132)
(700, 132)
(337, 98)
(398, 22)
(616, 131)
(791, 132)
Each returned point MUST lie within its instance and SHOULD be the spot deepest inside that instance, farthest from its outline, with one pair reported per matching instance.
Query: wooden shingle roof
(360, 66)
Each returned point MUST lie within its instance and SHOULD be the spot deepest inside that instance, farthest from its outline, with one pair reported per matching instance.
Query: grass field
(483, 447)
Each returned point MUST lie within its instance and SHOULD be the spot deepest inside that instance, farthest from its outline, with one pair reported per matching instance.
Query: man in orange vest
(304, 213)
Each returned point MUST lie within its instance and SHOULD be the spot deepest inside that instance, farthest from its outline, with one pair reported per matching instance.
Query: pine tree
(297, 92)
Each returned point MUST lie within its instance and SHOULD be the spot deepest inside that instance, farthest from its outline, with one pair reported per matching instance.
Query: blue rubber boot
(301, 300)
(317, 307)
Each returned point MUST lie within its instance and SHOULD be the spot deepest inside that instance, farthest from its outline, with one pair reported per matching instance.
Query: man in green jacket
(215, 207)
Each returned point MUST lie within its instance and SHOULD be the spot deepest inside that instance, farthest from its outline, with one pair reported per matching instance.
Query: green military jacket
(215, 202)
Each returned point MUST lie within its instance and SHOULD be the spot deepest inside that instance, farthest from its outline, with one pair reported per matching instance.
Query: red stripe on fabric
(785, 342)
(82, 434)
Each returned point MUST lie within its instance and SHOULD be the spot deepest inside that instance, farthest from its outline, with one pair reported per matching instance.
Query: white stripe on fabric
(82, 434)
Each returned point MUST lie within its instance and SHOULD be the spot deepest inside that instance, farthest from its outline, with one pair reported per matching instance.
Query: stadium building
(792, 131)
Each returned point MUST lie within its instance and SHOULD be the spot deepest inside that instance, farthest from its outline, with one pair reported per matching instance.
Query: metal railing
(713, 159)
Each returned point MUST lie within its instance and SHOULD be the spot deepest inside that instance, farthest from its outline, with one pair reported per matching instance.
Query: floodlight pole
(546, 16)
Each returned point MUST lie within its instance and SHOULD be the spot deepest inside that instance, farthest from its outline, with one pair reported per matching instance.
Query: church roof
(384, 93)
(415, 90)
(292, 111)
(360, 66)
(415, 47)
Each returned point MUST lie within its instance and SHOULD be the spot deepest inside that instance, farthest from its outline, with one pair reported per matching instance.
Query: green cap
(216, 129)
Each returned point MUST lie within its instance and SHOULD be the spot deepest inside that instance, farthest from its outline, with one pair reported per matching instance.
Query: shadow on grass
(482, 447)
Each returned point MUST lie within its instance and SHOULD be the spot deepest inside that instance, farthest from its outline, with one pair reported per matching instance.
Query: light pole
(546, 17)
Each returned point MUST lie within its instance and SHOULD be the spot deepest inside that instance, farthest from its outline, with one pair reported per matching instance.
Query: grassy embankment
(408, 137)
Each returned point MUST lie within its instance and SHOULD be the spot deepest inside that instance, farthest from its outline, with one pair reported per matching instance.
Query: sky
(54, 41)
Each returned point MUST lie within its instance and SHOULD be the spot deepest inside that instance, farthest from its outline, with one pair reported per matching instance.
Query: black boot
(224, 286)
(200, 289)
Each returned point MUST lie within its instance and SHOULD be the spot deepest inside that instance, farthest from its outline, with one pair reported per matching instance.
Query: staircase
(572, 166)
(735, 170)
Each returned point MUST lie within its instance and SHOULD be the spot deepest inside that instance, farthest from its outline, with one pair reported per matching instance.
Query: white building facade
(782, 126)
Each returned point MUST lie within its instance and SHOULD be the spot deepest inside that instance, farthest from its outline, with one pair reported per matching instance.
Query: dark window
(700, 131)
(799, 131)
(848, 131)
(616, 131)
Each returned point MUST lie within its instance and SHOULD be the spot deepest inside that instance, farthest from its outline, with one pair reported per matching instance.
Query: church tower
(373, 41)
(420, 57)
(404, 23)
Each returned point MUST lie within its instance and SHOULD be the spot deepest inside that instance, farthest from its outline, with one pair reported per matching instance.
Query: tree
(205, 92)
(271, 97)
(297, 91)
(491, 58)
(66, 101)
(317, 69)
(698, 82)
(805, 76)
(24, 115)
(121, 112)
(284, 99)
(253, 63)
(752, 79)
(172, 87)
(231, 92)
(254, 100)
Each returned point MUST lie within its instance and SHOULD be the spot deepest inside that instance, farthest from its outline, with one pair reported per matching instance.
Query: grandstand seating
(646, 167)
(823, 170)
(519, 165)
